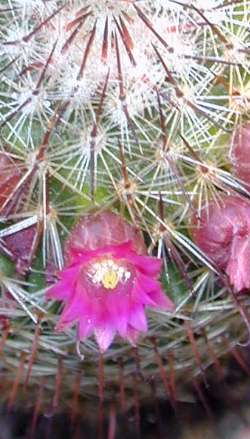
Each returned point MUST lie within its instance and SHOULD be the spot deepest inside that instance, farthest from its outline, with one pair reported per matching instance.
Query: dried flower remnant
(240, 154)
(10, 176)
(108, 280)
(17, 244)
(223, 234)
(20, 247)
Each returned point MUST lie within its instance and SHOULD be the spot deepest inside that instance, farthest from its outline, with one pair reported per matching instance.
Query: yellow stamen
(110, 279)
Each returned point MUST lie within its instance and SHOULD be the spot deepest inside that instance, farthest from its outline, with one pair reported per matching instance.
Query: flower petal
(137, 319)
(64, 289)
(119, 251)
(118, 311)
(238, 268)
(104, 337)
(146, 264)
(132, 335)
(161, 300)
(74, 310)
(85, 328)
(152, 289)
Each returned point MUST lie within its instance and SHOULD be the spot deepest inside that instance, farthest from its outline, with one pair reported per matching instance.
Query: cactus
(133, 107)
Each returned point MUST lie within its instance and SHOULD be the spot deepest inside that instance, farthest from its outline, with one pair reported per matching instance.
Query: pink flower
(223, 233)
(108, 282)
(241, 154)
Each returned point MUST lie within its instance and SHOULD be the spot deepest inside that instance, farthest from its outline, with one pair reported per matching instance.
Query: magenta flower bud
(222, 233)
(108, 280)
(241, 154)
(96, 231)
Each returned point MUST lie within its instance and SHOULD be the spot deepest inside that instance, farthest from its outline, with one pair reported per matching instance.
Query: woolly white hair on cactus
(78, 44)
(108, 7)
(34, 9)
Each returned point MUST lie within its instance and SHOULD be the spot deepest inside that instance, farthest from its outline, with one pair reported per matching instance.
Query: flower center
(110, 279)
(108, 273)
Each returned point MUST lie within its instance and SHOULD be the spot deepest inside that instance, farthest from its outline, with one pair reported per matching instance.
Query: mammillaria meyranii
(123, 105)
